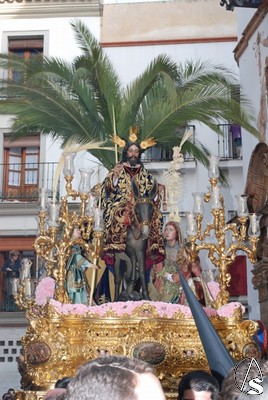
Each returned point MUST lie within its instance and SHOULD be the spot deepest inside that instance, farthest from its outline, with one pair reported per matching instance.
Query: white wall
(61, 38)
(131, 61)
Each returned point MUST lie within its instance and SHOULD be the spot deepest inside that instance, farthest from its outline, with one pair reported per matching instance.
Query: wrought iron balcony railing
(230, 143)
(165, 152)
(20, 182)
(8, 304)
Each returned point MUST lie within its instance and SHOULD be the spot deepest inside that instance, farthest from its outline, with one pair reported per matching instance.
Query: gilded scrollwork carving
(176, 345)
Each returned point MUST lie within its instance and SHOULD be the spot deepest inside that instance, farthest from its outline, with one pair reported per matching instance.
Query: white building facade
(132, 34)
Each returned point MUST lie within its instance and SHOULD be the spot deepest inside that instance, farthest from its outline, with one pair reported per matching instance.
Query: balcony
(230, 143)
(229, 148)
(21, 182)
(164, 153)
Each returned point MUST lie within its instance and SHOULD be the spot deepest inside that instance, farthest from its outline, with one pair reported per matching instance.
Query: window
(25, 47)
(21, 168)
(21, 158)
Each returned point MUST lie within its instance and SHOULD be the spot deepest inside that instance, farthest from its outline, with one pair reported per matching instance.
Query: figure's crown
(133, 138)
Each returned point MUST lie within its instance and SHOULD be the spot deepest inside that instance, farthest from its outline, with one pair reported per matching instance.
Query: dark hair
(14, 253)
(127, 146)
(63, 383)
(199, 381)
(108, 377)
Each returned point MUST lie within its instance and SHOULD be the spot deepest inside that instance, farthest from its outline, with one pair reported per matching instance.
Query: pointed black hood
(219, 359)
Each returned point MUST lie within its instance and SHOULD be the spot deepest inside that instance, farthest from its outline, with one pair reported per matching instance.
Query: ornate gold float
(56, 344)
(61, 336)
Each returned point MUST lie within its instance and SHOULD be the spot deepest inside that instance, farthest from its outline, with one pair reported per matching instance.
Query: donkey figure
(136, 245)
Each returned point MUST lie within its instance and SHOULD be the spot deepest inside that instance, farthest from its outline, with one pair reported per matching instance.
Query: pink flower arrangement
(228, 309)
(211, 312)
(44, 291)
(46, 288)
(120, 309)
(77, 309)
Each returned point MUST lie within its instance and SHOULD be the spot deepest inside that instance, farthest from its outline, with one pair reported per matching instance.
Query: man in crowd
(198, 385)
(11, 269)
(116, 378)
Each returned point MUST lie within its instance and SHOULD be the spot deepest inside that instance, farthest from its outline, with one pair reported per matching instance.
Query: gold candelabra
(56, 227)
(222, 249)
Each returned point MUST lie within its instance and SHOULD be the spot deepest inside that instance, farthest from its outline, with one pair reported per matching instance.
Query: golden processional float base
(62, 336)
(55, 345)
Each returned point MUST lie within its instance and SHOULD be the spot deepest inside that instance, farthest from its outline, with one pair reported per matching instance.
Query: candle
(198, 203)
(216, 197)
(53, 214)
(191, 225)
(242, 209)
(68, 168)
(98, 219)
(254, 223)
(43, 198)
(28, 287)
(15, 285)
(254, 226)
(213, 167)
(84, 185)
(91, 204)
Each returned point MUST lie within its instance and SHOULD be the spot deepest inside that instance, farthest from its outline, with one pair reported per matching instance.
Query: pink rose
(44, 291)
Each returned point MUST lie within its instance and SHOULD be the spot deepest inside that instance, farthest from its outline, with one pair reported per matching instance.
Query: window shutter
(15, 43)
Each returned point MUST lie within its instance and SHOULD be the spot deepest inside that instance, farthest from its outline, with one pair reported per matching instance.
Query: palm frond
(85, 99)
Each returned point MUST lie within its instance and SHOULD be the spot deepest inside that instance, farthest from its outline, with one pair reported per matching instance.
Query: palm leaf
(85, 99)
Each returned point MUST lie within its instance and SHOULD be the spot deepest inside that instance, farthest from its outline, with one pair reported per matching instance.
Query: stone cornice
(13, 319)
(49, 8)
(250, 29)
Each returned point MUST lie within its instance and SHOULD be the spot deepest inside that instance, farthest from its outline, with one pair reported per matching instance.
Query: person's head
(117, 378)
(14, 254)
(131, 154)
(55, 394)
(172, 232)
(76, 232)
(198, 385)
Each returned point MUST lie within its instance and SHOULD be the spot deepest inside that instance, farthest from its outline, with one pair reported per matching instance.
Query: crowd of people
(125, 378)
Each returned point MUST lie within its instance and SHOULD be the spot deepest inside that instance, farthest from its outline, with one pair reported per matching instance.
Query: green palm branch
(84, 100)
